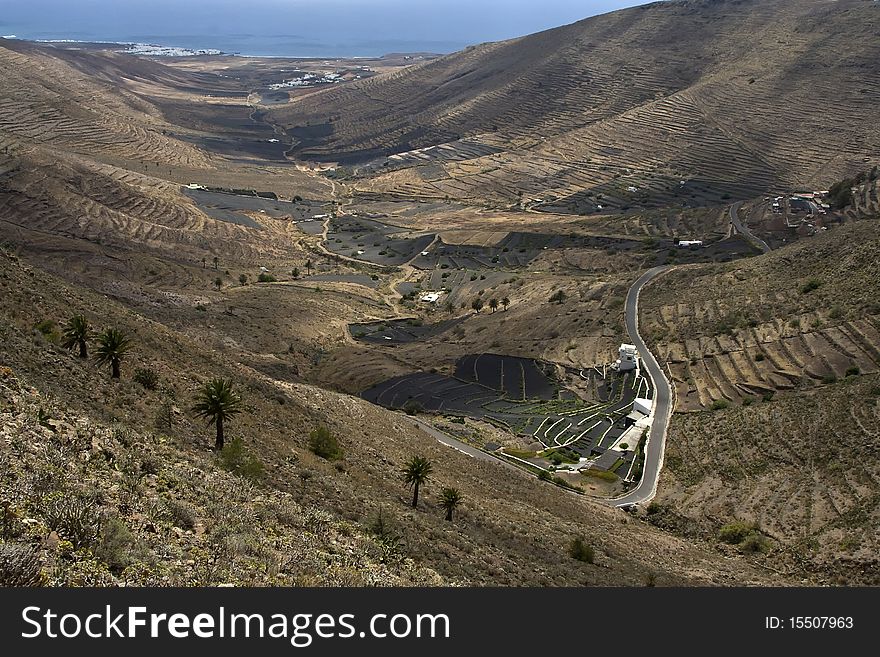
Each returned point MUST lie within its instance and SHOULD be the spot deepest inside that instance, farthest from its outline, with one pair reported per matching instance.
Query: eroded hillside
(666, 104)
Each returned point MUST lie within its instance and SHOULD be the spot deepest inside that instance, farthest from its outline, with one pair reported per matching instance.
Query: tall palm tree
(493, 304)
(113, 344)
(309, 267)
(505, 302)
(415, 474)
(217, 402)
(76, 334)
(449, 500)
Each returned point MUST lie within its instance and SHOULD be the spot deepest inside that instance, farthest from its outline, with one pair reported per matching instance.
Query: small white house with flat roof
(627, 359)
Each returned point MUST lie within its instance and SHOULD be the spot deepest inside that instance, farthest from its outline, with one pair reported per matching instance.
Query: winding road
(743, 230)
(662, 410)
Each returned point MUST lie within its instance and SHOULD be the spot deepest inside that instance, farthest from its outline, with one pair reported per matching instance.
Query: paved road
(744, 230)
(662, 410)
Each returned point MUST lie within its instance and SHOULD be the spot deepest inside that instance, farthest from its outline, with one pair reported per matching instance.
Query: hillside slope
(512, 529)
(733, 97)
(775, 363)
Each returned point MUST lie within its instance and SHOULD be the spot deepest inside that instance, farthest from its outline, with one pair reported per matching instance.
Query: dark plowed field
(399, 331)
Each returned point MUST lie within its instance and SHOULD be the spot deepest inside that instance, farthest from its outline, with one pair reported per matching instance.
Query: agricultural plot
(231, 208)
(491, 387)
(373, 241)
(399, 331)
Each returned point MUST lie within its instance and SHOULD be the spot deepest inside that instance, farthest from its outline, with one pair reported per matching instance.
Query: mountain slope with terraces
(680, 102)
(775, 364)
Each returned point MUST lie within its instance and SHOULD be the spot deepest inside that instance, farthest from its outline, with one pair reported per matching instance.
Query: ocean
(294, 28)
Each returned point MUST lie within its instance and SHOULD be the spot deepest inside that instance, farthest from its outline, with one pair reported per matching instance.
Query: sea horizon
(277, 46)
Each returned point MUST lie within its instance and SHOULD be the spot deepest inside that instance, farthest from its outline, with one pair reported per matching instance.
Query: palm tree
(216, 262)
(505, 302)
(449, 500)
(415, 474)
(309, 267)
(493, 304)
(113, 344)
(217, 402)
(76, 334)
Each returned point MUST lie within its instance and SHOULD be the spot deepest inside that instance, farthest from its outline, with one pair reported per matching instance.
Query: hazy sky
(459, 22)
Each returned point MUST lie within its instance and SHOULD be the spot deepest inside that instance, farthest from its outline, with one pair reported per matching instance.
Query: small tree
(324, 444)
(579, 550)
(218, 282)
(76, 335)
(216, 262)
(295, 272)
(242, 279)
(505, 302)
(113, 344)
(477, 304)
(449, 500)
(218, 402)
(493, 304)
(557, 297)
(416, 473)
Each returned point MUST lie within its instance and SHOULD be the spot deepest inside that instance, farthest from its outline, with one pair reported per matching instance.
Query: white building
(627, 360)
(687, 243)
(431, 297)
(643, 405)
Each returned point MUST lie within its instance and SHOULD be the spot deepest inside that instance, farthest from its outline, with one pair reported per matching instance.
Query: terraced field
(800, 317)
(674, 103)
(775, 363)
(524, 397)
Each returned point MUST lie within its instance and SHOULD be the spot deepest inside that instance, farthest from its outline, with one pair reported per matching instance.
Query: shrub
(383, 527)
(412, 407)
(543, 475)
(115, 546)
(579, 550)
(75, 519)
(236, 458)
(147, 377)
(754, 542)
(181, 514)
(759, 357)
(49, 330)
(853, 371)
(735, 532)
(557, 297)
(654, 508)
(266, 278)
(720, 404)
(19, 565)
(810, 285)
(324, 444)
